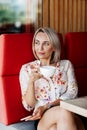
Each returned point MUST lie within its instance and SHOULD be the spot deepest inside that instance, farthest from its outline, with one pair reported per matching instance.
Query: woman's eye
(47, 43)
(37, 43)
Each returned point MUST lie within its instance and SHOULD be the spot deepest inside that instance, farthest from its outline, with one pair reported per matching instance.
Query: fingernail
(33, 114)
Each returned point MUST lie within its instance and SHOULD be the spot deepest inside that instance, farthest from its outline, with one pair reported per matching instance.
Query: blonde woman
(42, 93)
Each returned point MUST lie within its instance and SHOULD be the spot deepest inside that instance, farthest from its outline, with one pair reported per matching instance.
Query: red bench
(16, 50)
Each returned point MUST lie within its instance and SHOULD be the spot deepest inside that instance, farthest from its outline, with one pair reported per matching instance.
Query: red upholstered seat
(15, 50)
(75, 51)
(11, 109)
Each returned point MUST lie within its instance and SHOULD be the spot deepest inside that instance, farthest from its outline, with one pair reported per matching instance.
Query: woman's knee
(39, 126)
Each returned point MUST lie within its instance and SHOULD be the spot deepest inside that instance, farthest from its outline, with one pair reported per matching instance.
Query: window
(18, 16)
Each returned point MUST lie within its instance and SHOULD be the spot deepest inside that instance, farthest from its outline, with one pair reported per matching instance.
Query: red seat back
(75, 51)
(15, 50)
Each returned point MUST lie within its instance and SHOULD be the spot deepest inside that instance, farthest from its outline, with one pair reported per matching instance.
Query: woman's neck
(46, 63)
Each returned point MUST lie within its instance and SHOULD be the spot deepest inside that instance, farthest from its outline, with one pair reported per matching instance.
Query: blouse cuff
(27, 106)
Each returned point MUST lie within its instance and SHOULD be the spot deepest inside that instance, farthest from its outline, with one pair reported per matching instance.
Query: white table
(78, 105)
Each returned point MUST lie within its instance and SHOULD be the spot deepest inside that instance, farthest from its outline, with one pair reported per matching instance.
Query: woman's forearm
(29, 96)
(56, 102)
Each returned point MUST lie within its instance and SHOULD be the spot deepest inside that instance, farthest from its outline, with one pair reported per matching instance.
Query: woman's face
(43, 47)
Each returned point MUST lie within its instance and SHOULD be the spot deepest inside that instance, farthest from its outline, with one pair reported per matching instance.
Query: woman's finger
(33, 118)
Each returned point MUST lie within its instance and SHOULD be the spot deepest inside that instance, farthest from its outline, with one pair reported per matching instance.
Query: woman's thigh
(57, 115)
(50, 117)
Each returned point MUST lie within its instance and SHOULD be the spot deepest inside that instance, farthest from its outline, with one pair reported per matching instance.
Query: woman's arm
(27, 79)
(29, 96)
(72, 88)
(27, 89)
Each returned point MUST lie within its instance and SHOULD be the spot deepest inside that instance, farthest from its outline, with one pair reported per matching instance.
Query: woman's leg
(54, 127)
(62, 118)
(69, 121)
(48, 119)
(79, 123)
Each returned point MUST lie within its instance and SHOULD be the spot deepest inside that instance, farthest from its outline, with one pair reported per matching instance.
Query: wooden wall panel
(39, 18)
(83, 15)
(56, 15)
(74, 21)
(86, 16)
(62, 15)
(70, 12)
(46, 12)
(65, 16)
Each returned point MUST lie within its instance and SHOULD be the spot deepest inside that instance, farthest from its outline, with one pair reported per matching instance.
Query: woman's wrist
(47, 106)
(31, 80)
(55, 103)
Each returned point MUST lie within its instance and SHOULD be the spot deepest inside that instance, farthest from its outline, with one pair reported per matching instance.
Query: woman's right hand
(35, 74)
(29, 95)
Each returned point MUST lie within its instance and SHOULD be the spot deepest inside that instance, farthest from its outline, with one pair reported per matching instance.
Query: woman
(43, 94)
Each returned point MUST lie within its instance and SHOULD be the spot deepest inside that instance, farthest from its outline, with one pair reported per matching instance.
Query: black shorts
(36, 123)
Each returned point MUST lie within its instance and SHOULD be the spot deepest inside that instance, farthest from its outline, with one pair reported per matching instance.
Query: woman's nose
(41, 47)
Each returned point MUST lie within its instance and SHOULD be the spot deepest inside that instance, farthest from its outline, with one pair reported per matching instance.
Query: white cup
(47, 71)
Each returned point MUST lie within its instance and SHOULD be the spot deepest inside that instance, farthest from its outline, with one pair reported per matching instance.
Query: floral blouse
(61, 85)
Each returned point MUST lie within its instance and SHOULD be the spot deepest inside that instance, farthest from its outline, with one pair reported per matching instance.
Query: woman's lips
(41, 53)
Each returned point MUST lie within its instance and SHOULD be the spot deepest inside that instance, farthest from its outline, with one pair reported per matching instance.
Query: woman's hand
(37, 114)
(35, 74)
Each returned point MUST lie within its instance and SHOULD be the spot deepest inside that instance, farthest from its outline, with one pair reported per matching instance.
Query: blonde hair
(54, 40)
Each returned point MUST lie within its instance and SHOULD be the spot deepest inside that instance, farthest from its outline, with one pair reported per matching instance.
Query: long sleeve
(24, 79)
(72, 88)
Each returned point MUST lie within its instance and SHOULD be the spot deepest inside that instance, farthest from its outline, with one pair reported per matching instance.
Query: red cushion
(11, 108)
(76, 48)
(81, 75)
(15, 50)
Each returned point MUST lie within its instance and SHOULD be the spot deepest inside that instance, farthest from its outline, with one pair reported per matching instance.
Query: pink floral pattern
(62, 85)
